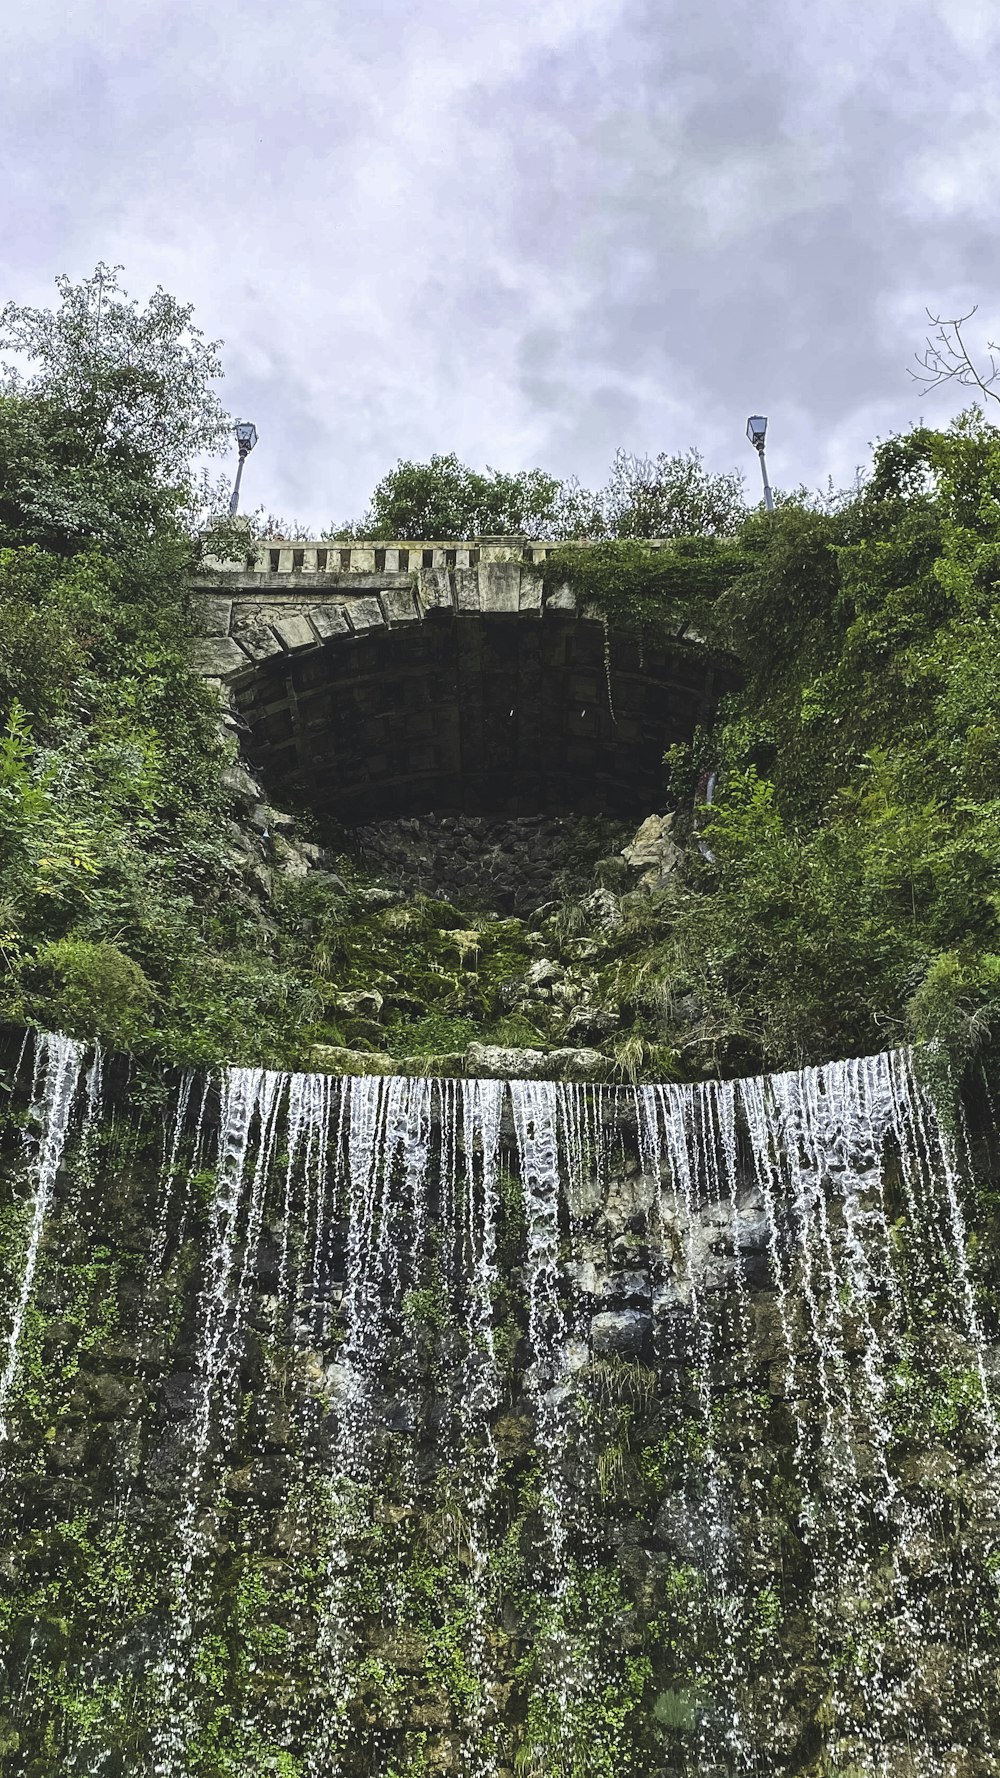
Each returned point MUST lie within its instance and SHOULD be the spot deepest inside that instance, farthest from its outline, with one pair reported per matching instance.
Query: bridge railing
(276, 556)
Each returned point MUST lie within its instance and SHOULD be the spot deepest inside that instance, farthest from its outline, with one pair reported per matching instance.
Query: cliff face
(384, 1426)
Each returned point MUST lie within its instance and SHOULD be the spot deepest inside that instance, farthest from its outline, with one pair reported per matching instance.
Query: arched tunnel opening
(511, 714)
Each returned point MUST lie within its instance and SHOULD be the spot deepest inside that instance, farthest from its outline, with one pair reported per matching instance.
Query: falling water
(536, 1348)
(58, 1065)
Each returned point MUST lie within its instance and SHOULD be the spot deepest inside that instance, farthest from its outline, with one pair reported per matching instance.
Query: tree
(645, 497)
(670, 496)
(102, 409)
(445, 498)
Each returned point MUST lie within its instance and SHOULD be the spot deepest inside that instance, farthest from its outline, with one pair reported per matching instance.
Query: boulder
(653, 853)
(490, 1061)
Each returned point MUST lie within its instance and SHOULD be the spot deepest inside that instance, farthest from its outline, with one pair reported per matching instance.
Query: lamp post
(756, 433)
(246, 438)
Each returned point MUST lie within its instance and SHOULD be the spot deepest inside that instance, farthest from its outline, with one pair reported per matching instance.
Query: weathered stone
(241, 784)
(329, 621)
(295, 632)
(260, 643)
(467, 592)
(434, 589)
(499, 586)
(364, 1003)
(492, 1062)
(653, 852)
(562, 598)
(530, 591)
(399, 605)
(365, 615)
(217, 657)
(214, 614)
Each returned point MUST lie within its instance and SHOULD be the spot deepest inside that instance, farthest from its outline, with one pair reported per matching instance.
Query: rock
(653, 853)
(241, 785)
(592, 1021)
(623, 1331)
(289, 859)
(542, 972)
(379, 898)
(267, 819)
(933, 1469)
(489, 1061)
(332, 1058)
(364, 1003)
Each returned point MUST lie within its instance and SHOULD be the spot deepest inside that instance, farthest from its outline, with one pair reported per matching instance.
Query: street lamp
(756, 433)
(246, 438)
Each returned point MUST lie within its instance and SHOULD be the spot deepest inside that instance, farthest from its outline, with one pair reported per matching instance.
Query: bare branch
(946, 358)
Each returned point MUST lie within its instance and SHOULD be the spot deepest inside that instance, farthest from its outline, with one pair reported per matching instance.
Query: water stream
(486, 1427)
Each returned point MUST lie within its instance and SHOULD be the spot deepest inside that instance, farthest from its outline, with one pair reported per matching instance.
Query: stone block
(214, 614)
(329, 621)
(434, 589)
(467, 595)
(562, 599)
(365, 614)
(362, 561)
(260, 644)
(216, 657)
(295, 632)
(500, 586)
(530, 592)
(399, 605)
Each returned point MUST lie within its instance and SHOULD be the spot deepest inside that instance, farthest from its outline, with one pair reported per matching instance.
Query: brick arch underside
(509, 713)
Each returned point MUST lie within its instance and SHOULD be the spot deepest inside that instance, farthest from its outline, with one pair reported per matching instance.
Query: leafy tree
(670, 496)
(444, 498)
(645, 497)
(103, 406)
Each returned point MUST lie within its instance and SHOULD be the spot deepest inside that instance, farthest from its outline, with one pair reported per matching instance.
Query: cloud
(528, 231)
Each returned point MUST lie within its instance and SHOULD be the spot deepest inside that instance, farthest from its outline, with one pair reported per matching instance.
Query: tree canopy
(663, 496)
(104, 406)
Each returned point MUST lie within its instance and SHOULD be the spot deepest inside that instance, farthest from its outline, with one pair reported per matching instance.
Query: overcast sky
(524, 230)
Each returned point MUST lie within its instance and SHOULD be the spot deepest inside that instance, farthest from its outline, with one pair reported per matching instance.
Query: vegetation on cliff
(839, 893)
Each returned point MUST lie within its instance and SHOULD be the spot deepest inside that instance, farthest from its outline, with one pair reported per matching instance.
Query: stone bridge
(384, 680)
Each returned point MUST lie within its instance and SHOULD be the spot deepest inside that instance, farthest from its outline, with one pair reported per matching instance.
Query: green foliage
(96, 991)
(444, 498)
(635, 587)
(665, 496)
(670, 496)
(840, 893)
(97, 434)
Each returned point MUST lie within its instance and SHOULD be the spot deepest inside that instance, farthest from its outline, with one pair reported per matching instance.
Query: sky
(527, 231)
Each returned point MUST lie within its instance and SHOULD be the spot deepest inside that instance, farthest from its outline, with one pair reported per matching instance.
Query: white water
(58, 1065)
(383, 1203)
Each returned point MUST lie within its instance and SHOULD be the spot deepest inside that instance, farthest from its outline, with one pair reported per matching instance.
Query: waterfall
(58, 1065)
(471, 1427)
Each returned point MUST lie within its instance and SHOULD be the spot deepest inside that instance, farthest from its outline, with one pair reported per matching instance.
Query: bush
(92, 991)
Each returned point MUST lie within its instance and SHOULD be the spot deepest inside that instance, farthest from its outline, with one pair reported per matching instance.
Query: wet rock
(623, 1331)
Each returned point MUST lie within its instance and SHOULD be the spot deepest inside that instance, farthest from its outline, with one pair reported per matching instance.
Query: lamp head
(246, 436)
(756, 430)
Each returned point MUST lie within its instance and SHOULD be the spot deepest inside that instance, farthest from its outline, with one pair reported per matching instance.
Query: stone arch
(451, 690)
